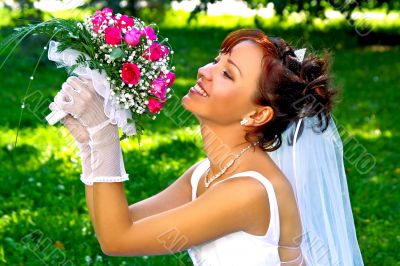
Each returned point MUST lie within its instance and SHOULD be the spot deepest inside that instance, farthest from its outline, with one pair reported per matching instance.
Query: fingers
(76, 129)
(69, 91)
(53, 106)
(61, 100)
(72, 124)
(84, 80)
(66, 119)
(65, 103)
(84, 85)
(79, 84)
(75, 83)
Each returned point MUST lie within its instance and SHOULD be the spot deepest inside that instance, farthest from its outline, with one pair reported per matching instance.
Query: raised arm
(176, 194)
(226, 208)
(170, 215)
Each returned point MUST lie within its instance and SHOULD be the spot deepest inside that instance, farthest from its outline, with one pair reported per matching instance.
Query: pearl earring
(244, 121)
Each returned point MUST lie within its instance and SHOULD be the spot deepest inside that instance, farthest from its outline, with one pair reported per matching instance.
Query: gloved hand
(78, 98)
(81, 136)
(74, 97)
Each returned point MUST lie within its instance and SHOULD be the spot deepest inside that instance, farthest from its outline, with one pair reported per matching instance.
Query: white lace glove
(78, 98)
(74, 97)
(81, 136)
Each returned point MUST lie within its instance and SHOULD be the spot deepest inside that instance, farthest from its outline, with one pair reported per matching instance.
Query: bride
(272, 190)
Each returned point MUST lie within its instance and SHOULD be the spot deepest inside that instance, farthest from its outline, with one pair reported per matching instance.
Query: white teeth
(200, 90)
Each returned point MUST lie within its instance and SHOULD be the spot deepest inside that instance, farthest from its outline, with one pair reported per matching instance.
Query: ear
(261, 116)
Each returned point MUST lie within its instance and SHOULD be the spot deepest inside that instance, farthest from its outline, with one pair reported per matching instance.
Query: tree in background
(28, 12)
(153, 10)
(147, 10)
(313, 8)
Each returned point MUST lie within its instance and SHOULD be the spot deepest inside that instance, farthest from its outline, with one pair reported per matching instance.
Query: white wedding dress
(239, 248)
(313, 163)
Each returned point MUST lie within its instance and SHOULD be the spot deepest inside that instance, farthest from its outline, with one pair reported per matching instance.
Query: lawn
(43, 215)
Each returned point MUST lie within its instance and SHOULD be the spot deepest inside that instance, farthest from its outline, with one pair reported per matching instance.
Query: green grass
(43, 216)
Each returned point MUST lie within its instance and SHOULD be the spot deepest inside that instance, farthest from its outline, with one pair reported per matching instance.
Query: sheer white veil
(313, 162)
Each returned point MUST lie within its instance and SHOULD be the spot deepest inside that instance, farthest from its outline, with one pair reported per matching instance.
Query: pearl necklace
(229, 164)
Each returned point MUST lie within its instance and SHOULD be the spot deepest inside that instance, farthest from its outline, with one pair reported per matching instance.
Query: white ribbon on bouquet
(117, 115)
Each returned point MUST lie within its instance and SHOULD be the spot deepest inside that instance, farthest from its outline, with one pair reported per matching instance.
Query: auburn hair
(293, 89)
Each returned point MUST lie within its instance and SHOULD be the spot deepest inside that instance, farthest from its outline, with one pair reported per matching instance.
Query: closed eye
(225, 73)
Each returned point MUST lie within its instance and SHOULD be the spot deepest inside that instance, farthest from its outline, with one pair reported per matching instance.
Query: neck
(222, 144)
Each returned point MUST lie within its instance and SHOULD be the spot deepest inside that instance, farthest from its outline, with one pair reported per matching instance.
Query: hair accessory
(244, 121)
(300, 54)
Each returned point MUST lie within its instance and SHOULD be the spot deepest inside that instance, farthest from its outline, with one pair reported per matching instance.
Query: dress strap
(197, 173)
(273, 231)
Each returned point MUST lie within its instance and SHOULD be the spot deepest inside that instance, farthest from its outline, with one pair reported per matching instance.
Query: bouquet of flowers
(128, 63)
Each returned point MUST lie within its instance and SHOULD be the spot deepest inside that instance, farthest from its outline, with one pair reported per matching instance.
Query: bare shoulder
(247, 194)
(289, 216)
(242, 186)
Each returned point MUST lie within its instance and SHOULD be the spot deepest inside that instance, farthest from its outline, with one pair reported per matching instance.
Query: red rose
(113, 35)
(155, 52)
(155, 106)
(130, 73)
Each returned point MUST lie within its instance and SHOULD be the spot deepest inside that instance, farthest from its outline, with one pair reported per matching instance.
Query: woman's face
(224, 89)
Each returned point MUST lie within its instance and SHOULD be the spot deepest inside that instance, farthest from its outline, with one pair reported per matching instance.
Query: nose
(205, 72)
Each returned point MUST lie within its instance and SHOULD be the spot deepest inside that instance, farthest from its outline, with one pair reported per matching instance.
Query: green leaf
(116, 53)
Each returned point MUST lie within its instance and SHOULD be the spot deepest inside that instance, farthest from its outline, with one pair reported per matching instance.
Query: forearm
(111, 213)
(89, 204)
(85, 154)
(110, 206)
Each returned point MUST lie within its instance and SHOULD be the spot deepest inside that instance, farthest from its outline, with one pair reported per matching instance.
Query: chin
(191, 105)
(188, 103)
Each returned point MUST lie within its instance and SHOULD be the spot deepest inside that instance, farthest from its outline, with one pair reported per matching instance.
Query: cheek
(229, 102)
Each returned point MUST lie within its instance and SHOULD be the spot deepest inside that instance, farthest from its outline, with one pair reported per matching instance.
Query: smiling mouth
(197, 89)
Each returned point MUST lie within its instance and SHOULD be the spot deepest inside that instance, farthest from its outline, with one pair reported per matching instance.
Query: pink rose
(149, 33)
(130, 73)
(170, 79)
(132, 37)
(154, 105)
(107, 11)
(158, 87)
(124, 22)
(97, 21)
(155, 52)
(113, 35)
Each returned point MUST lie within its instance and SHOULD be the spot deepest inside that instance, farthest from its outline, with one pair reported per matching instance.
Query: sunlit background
(43, 216)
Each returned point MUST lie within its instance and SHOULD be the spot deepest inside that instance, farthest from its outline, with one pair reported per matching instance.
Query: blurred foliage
(313, 8)
(148, 10)
(27, 11)
(43, 215)
(154, 10)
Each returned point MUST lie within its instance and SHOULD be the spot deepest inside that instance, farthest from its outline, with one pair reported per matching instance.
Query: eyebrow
(231, 62)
